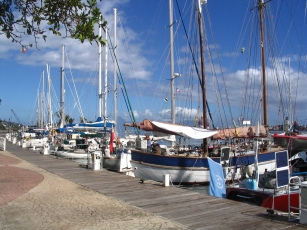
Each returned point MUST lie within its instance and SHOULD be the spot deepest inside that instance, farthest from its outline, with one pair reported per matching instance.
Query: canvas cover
(175, 129)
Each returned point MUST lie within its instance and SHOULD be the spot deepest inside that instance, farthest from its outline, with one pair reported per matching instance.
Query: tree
(83, 120)
(67, 118)
(19, 18)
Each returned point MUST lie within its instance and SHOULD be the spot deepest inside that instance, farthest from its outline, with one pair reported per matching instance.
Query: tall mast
(203, 80)
(62, 111)
(115, 76)
(172, 61)
(106, 80)
(38, 114)
(42, 106)
(261, 6)
(99, 72)
(49, 97)
(290, 102)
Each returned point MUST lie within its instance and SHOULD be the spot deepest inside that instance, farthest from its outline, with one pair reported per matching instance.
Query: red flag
(112, 137)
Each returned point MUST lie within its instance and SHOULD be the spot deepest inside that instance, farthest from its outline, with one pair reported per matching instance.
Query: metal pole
(203, 83)
(62, 110)
(172, 61)
(264, 99)
(106, 79)
(115, 75)
(99, 73)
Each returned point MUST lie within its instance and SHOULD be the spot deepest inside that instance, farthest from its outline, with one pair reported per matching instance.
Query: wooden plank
(183, 206)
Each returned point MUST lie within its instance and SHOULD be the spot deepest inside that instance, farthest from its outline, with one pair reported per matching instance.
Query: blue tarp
(217, 183)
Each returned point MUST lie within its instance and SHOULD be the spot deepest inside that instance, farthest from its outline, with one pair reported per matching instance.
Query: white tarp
(186, 131)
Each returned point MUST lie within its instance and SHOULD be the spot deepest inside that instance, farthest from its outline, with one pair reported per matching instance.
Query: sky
(143, 58)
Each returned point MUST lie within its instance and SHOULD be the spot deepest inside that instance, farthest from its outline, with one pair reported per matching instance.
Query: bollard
(46, 149)
(166, 180)
(95, 161)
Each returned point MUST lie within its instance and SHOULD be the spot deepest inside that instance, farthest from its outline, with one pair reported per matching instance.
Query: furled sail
(175, 129)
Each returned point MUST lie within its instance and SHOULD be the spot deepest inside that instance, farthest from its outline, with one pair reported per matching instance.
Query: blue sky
(142, 51)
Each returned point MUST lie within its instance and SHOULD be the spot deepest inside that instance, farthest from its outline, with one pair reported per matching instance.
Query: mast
(290, 102)
(172, 77)
(42, 106)
(106, 80)
(49, 97)
(114, 74)
(38, 109)
(62, 111)
(203, 81)
(99, 73)
(261, 6)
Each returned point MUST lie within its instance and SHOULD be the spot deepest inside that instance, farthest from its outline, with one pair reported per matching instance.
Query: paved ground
(32, 198)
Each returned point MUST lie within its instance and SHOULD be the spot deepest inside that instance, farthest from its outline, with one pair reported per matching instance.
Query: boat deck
(188, 208)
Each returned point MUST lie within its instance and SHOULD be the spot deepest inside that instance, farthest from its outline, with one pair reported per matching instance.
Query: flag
(23, 49)
(217, 183)
(112, 137)
(178, 90)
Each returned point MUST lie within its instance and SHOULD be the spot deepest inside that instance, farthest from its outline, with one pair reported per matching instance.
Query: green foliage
(24, 17)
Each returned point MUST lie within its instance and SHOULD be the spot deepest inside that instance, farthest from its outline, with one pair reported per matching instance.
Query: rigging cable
(212, 66)
(194, 60)
(123, 84)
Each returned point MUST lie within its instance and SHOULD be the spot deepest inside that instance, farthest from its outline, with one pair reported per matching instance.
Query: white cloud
(148, 113)
(136, 114)
(84, 56)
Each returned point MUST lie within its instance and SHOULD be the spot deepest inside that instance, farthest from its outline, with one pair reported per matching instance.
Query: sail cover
(240, 132)
(175, 129)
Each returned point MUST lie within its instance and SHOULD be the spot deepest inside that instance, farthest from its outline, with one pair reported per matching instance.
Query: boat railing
(301, 215)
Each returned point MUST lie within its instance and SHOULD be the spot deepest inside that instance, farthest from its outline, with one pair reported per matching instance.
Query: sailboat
(190, 167)
(115, 157)
(291, 139)
(98, 125)
(274, 189)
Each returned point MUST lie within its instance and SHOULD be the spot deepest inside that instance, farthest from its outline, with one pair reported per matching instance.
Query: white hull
(187, 176)
(72, 155)
(76, 154)
(35, 143)
(119, 163)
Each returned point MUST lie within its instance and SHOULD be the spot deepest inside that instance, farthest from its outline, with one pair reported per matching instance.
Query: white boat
(78, 148)
(191, 167)
(34, 142)
(119, 162)
(74, 154)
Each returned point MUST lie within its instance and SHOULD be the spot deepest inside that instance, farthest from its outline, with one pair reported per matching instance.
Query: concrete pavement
(33, 198)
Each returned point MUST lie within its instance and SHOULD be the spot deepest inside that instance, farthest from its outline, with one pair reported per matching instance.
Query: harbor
(73, 197)
(186, 116)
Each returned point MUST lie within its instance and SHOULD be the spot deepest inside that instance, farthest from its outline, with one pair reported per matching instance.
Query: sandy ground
(32, 198)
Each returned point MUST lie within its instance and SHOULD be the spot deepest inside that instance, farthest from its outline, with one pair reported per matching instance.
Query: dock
(185, 208)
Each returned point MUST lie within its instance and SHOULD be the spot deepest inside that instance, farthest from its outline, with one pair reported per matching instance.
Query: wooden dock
(188, 208)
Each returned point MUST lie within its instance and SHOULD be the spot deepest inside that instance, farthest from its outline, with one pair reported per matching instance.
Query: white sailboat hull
(76, 154)
(146, 171)
(120, 163)
(35, 143)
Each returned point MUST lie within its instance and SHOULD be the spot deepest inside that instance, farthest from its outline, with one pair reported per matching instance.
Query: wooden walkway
(190, 209)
